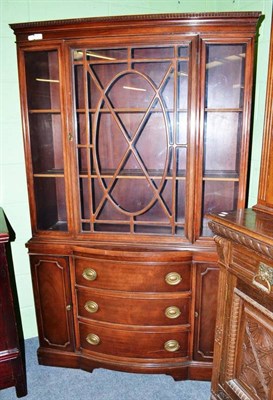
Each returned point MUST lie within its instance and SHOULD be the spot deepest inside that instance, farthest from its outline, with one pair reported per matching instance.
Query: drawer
(133, 276)
(133, 309)
(253, 268)
(148, 343)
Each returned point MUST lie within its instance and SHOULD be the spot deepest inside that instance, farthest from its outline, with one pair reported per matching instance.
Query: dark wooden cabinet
(135, 128)
(12, 368)
(265, 194)
(243, 363)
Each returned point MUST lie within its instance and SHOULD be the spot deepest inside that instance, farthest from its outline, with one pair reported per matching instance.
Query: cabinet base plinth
(179, 371)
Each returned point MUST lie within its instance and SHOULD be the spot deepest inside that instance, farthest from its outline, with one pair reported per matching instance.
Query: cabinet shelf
(224, 110)
(104, 61)
(130, 110)
(54, 173)
(221, 176)
(133, 174)
(45, 111)
(59, 226)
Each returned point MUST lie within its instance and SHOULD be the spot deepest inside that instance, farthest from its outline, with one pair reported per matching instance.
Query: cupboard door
(248, 354)
(44, 116)
(205, 310)
(52, 292)
(224, 127)
(132, 108)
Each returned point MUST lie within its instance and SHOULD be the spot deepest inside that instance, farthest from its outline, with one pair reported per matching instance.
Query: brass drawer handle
(171, 346)
(265, 274)
(93, 339)
(172, 312)
(91, 306)
(173, 278)
(89, 274)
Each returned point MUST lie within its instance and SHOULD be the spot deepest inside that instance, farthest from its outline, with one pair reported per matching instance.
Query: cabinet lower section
(129, 310)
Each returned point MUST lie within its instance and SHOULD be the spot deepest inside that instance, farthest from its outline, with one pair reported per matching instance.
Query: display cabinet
(135, 128)
(12, 365)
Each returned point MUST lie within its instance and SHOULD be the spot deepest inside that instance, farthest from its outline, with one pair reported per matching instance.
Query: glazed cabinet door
(226, 87)
(41, 83)
(205, 310)
(133, 105)
(51, 285)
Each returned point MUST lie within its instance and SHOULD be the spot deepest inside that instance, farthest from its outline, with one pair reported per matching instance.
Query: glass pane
(106, 54)
(79, 84)
(102, 76)
(111, 228)
(45, 133)
(225, 75)
(84, 160)
(156, 72)
(131, 90)
(42, 76)
(218, 196)
(127, 198)
(183, 51)
(183, 78)
(153, 52)
(85, 198)
(181, 197)
(156, 230)
(222, 143)
(50, 203)
(46, 143)
(181, 161)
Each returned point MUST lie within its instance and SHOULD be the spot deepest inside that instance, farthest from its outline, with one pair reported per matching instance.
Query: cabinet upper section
(153, 24)
(136, 126)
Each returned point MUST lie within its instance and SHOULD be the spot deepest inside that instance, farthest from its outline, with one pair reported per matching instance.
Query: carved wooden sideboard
(243, 364)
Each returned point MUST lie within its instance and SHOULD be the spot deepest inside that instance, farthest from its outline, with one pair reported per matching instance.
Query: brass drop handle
(89, 274)
(171, 345)
(173, 278)
(172, 312)
(93, 339)
(91, 306)
(265, 274)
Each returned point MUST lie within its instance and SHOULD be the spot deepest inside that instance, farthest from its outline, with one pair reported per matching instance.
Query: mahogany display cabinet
(135, 127)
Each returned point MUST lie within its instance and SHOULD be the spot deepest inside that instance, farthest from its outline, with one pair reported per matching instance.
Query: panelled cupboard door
(51, 285)
(249, 350)
(205, 310)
